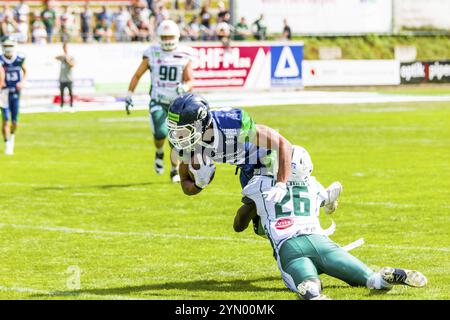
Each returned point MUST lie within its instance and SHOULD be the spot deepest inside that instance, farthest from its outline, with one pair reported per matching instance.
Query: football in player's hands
(201, 170)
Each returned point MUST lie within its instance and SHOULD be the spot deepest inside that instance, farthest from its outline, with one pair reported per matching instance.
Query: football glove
(276, 193)
(203, 176)
(333, 191)
(182, 89)
(129, 102)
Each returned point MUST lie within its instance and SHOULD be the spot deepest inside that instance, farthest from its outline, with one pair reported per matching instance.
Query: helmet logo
(202, 113)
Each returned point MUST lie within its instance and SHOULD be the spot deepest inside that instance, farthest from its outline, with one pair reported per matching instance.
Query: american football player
(225, 136)
(170, 66)
(301, 247)
(15, 72)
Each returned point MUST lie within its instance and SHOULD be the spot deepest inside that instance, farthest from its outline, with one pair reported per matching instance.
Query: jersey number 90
(168, 73)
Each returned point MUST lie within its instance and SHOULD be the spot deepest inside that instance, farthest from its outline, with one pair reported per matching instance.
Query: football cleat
(334, 191)
(310, 290)
(174, 176)
(159, 163)
(9, 148)
(410, 278)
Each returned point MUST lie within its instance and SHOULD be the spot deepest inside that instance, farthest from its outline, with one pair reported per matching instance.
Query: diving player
(171, 75)
(300, 246)
(225, 136)
(15, 72)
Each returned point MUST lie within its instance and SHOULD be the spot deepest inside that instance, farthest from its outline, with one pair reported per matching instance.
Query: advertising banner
(350, 72)
(425, 72)
(422, 14)
(258, 65)
(248, 66)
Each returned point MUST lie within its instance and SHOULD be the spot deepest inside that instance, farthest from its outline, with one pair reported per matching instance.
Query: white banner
(320, 16)
(421, 13)
(350, 72)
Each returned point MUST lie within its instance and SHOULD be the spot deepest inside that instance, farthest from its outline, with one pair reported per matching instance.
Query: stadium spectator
(65, 75)
(184, 29)
(241, 30)
(150, 4)
(161, 13)
(205, 16)
(261, 28)
(206, 30)
(102, 31)
(105, 16)
(9, 25)
(38, 33)
(224, 14)
(22, 30)
(21, 11)
(193, 28)
(287, 34)
(122, 24)
(48, 16)
(66, 24)
(140, 27)
(86, 19)
(223, 32)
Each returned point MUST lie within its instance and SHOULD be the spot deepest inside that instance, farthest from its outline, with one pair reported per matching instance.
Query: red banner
(235, 66)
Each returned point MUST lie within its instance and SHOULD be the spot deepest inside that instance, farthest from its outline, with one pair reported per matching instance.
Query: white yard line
(120, 233)
(66, 293)
(253, 99)
(383, 204)
(192, 237)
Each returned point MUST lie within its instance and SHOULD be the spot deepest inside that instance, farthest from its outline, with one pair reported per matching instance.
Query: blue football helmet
(188, 118)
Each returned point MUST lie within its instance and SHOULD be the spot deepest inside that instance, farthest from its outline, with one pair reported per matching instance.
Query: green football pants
(158, 116)
(305, 257)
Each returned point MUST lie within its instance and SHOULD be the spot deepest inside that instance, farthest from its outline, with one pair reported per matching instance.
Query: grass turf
(80, 191)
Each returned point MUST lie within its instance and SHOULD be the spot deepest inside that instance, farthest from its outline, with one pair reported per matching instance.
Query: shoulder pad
(254, 186)
(228, 118)
(189, 51)
(150, 50)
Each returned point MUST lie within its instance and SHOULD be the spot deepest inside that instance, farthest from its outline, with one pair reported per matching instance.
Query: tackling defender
(15, 72)
(224, 136)
(171, 71)
(301, 248)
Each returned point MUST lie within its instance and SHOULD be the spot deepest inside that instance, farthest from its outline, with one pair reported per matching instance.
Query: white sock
(376, 281)
(160, 150)
(11, 138)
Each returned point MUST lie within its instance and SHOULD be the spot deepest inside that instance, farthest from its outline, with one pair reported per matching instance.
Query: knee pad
(309, 289)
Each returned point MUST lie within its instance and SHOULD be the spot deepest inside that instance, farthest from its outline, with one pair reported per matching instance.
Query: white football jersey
(297, 214)
(166, 70)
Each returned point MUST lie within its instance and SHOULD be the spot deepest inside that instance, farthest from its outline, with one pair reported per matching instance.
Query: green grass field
(80, 191)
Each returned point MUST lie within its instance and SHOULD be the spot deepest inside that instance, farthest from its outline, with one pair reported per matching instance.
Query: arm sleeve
(248, 128)
(322, 192)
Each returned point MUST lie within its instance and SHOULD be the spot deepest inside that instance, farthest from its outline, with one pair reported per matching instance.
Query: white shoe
(174, 176)
(9, 150)
(410, 278)
(159, 163)
(334, 191)
(72, 110)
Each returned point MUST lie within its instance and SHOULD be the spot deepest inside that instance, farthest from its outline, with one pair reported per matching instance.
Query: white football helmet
(301, 164)
(168, 28)
(9, 47)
